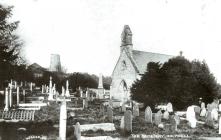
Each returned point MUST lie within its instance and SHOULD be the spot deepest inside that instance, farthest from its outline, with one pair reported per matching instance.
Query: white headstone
(219, 107)
(148, 115)
(169, 107)
(18, 96)
(10, 97)
(77, 131)
(166, 115)
(214, 114)
(203, 112)
(50, 97)
(122, 123)
(203, 105)
(31, 86)
(63, 121)
(6, 99)
(191, 117)
(67, 94)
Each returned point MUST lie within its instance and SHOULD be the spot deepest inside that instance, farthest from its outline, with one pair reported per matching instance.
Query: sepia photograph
(110, 69)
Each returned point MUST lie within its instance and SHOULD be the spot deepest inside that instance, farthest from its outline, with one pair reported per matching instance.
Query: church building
(131, 65)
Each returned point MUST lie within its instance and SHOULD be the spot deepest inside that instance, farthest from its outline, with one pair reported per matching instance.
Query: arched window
(123, 86)
(124, 65)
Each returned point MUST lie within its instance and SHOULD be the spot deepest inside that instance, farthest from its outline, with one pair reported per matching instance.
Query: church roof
(141, 59)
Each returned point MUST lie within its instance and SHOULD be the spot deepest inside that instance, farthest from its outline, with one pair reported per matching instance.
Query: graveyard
(48, 115)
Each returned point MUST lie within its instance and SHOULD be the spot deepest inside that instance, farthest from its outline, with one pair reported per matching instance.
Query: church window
(124, 65)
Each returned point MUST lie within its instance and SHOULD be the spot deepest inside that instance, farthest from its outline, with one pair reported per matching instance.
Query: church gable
(124, 66)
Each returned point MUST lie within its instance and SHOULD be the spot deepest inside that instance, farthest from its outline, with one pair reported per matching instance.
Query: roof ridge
(153, 52)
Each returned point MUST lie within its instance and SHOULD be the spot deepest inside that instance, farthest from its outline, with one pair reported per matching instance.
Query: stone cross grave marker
(148, 115)
(128, 121)
(77, 131)
(110, 114)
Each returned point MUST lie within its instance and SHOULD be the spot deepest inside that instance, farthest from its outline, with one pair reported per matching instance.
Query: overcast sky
(86, 33)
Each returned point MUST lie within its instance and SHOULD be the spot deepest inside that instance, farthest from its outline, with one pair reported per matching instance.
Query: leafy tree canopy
(179, 81)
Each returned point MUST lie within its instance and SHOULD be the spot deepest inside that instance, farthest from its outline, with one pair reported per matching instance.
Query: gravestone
(197, 110)
(190, 116)
(148, 115)
(219, 125)
(169, 107)
(110, 103)
(203, 112)
(6, 100)
(173, 125)
(219, 107)
(128, 121)
(18, 96)
(166, 115)
(122, 123)
(157, 118)
(209, 119)
(210, 107)
(102, 109)
(214, 114)
(77, 131)
(203, 105)
(177, 119)
(123, 107)
(110, 114)
(135, 110)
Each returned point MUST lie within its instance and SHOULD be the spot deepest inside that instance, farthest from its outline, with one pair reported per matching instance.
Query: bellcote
(126, 39)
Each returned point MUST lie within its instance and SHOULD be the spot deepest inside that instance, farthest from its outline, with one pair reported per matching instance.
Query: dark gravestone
(110, 114)
(128, 121)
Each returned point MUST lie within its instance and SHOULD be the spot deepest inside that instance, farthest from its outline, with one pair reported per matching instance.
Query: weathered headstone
(6, 99)
(110, 114)
(169, 107)
(123, 107)
(77, 131)
(203, 112)
(135, 110)
(110, 103)
(166, 115)
(24, 95)
(102, 109)
(214, 114)
(122, 123)
(173, 125)
(157, 118)
(67, 93)
(203, 105)
(10, 97)
(63, 121)
(219, 125)
(209, 119)
(18, 96)
(148, 115)
(177, 119)
(219, 107)
(197, 110)
(190, 116)
(128, 121)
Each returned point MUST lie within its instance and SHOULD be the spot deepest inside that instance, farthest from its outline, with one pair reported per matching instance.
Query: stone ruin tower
(55, 63)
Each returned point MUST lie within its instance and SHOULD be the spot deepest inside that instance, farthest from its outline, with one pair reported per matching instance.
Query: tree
(10, 45)
(178, 81)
